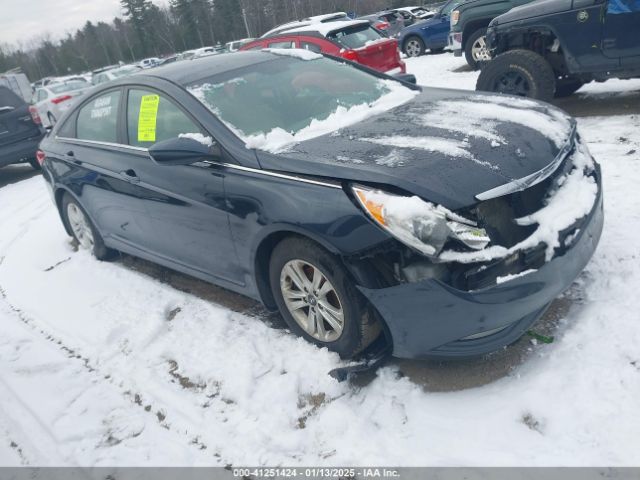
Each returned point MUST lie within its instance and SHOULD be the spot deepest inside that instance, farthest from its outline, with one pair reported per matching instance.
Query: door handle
(130, 176)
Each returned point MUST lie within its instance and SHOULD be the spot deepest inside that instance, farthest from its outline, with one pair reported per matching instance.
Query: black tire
(519, 72)
(99, 250)
(468, 48)
(34, 164)
(413, 46)
(360, 327)
(567, 86)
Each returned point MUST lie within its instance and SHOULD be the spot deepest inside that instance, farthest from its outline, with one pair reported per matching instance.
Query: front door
(188, 210)
(621, 36)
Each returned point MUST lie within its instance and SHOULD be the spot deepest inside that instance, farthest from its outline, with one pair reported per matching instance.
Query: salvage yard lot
(111, 364)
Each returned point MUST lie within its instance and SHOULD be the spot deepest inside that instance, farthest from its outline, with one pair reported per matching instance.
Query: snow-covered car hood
(531, 10)
(445, 146)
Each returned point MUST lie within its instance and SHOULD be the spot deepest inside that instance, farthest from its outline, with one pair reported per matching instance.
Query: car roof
(325, 29)
(185, 73)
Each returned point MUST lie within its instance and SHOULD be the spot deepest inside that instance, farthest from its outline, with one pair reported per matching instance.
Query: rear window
(9, 99)
(355, 37)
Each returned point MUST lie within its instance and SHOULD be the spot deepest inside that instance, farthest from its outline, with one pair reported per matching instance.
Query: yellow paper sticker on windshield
(148, 118)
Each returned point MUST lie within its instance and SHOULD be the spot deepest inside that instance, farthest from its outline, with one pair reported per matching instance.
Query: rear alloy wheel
(414, 47)
(82, 229)
(476, 52)
(519, 72)
(318, 300)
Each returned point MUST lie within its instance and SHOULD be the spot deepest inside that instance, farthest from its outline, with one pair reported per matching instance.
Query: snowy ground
(103, 365)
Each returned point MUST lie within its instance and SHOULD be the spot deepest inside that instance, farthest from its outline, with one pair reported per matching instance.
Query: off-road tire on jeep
(519, 72)
(567, 86)
(468, 48)
(359, 324)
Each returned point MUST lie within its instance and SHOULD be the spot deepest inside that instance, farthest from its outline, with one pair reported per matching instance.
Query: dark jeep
(553, 47)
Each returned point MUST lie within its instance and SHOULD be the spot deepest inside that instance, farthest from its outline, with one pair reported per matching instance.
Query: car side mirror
(181, 151)
(406, 77)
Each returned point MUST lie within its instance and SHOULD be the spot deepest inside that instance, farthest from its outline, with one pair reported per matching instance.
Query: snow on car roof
(325, 29)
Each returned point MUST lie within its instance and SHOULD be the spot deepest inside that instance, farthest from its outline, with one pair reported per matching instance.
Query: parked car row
(377, 225)
(355, 40)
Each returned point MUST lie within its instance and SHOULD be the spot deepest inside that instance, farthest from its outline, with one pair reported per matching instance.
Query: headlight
(455, 16)
(421, 225)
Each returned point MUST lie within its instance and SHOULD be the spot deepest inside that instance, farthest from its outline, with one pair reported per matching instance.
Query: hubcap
(512, 83)
(479, 50)
(413, 48)
(80, 226)
(312, 300)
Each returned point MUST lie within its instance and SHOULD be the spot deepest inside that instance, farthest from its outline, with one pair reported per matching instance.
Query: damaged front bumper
(433, 319)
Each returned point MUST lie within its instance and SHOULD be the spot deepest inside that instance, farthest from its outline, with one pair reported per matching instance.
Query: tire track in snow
(138, 399)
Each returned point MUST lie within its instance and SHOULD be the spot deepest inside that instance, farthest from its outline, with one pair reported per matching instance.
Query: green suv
(469, 22)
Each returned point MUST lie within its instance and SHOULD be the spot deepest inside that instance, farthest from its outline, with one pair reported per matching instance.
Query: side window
(287, 44)
(617, 7)
(98, 119)
(153, 118)
(311, 46)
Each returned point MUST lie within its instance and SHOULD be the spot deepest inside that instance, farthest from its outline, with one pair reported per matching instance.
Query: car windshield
(67, 86)
(289, 93)
(357, 36)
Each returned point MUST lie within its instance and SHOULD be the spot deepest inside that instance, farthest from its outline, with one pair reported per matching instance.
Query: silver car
(54, 99)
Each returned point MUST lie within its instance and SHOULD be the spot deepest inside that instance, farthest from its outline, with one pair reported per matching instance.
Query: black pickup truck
(552, 47)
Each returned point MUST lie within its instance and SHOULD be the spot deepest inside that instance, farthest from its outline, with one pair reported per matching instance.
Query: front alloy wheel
(312, 300)
(318, 299)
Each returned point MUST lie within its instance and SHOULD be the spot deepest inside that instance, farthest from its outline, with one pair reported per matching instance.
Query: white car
(149, 62)
(414, 14)
(204, 52)
(54, 99)
(329, 17)
(235, 45)
(114, 73)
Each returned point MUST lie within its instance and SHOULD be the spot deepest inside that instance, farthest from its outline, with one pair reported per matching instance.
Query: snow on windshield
(279, 140)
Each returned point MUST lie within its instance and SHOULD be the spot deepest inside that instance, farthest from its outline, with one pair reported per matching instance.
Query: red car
(355, 40)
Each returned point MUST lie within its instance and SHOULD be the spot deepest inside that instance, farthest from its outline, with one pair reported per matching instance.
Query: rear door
(621, 35)
(103, 172)
(16, 123)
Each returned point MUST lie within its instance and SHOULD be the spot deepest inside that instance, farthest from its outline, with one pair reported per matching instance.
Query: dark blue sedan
(431, 34)
(326, 191)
